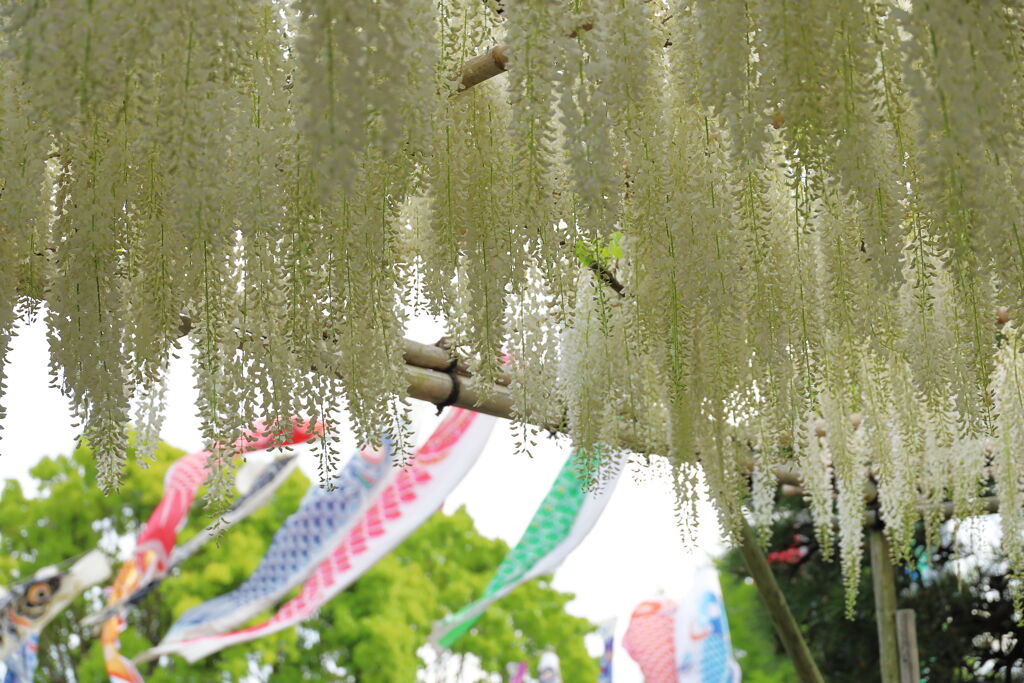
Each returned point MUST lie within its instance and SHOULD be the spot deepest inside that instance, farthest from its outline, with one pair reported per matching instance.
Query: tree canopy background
(369, 633)
(758, 651)
(967, 628)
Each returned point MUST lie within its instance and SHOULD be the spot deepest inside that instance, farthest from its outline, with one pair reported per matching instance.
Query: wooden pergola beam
(429, 381)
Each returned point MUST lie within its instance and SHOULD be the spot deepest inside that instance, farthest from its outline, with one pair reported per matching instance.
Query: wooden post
(778, 610)
(883, 581)
(906, 637)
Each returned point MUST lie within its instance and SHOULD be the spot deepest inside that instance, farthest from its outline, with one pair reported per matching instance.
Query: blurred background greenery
(374, 632)
(967, 627)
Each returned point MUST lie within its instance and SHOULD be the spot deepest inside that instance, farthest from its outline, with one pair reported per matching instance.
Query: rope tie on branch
(451, 371)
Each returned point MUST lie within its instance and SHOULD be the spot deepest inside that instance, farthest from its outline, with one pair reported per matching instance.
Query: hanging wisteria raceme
(746, 234)
(23, 215)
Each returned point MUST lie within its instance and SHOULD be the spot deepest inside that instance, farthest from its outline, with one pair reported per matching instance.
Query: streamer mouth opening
(443, 440)
(647, 607)
(375, 456)
(372, 455)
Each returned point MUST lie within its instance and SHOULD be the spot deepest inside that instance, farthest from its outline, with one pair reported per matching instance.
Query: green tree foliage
(757, 650)
(967, 629)
(370, 633)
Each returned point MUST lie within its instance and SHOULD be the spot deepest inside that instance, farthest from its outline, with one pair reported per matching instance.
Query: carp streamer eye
(39, 594)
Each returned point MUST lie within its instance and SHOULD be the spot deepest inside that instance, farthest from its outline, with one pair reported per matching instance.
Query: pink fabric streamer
(416, 493)
(157, 538)
(650, 640)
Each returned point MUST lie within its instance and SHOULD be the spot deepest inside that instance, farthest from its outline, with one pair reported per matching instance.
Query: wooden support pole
(883, 581)
(906, 637)
(778, 610)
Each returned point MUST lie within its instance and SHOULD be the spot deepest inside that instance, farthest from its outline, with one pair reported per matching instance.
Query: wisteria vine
(816, 211)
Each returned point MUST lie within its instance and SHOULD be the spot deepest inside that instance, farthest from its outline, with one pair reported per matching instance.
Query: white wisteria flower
(740, 234)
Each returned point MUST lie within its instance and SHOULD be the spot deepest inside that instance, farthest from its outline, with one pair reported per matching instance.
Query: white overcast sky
(633, 553)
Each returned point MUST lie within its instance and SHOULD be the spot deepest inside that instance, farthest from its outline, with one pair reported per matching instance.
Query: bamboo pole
(438, 387)
(883, 581)
(434, 386)
(434, 376)
(437, 357)
(485, 66)
(775, 602)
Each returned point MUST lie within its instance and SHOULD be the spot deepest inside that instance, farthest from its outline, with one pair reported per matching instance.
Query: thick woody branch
(418, 354)
(495, 61)
(483, 67)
